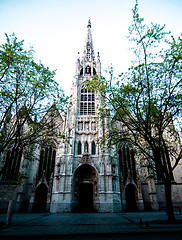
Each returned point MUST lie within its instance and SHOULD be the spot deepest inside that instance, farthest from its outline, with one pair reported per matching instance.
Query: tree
(147, 99)
(27, 89)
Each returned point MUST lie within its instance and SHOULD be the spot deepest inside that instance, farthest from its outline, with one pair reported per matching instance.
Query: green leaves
(146, 99)
(24, 84)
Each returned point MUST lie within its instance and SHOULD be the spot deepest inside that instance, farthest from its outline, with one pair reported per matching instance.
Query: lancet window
(87, 102)
(11, 168)
(93, 148)
(47, 161)
(79, 148)
(127, 163)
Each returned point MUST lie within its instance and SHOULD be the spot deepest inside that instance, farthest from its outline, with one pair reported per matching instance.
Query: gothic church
(78, 173)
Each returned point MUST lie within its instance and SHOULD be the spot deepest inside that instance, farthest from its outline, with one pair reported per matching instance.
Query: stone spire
(87, 66)
(88, 53)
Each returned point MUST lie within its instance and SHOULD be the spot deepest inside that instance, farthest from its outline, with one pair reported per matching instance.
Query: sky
(57, 29)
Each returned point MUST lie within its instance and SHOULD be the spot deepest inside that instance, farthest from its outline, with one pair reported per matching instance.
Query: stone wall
(8, 192)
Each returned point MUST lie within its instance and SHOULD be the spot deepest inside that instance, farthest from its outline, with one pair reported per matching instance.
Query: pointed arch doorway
(40, 198)
(86, 197)
(85, 194)
(131, 197)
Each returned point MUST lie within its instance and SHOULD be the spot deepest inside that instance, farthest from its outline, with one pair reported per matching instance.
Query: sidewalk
(88, 225)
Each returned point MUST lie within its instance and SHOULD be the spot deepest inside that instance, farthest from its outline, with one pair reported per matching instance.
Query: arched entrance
(40, 198)
(131, 197)
(86, 197)
(85, 189)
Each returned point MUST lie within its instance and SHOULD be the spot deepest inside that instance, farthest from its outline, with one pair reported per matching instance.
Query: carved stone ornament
(41, 181)
(86, 159)
(57, 177)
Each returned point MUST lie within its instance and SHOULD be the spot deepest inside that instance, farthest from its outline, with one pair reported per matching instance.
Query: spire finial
(89, 23)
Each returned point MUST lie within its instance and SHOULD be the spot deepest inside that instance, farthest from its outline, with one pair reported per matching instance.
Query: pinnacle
(89, 23)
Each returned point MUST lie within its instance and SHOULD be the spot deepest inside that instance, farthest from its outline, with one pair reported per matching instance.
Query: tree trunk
(169, 204)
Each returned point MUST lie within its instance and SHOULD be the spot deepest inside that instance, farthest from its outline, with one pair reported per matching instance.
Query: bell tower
(86, 181)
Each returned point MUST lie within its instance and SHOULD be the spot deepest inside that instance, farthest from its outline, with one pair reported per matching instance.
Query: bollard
(141, 222)
(9, 213)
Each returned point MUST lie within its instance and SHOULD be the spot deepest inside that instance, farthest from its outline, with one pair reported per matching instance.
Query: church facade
(78, 173)
(84, 179)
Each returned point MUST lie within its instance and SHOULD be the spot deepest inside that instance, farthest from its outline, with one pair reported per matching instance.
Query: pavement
(140, 225)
